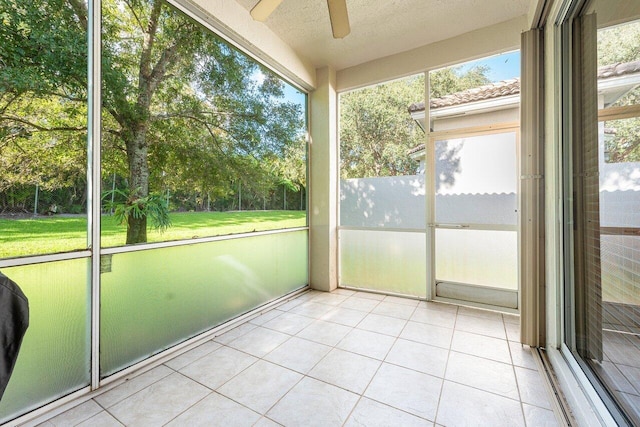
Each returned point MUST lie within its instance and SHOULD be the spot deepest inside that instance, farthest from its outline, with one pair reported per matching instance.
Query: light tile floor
(344, 358)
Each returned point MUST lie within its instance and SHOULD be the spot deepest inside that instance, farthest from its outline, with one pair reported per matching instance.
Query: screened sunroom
(243, 212)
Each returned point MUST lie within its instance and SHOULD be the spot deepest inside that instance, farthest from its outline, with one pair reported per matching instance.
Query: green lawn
(61, 234)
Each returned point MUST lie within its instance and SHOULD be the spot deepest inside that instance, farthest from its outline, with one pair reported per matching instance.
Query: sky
(502, 67)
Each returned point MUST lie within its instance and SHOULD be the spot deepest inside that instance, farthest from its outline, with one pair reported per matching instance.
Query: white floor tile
(428, 334)
(260, 386)
(420, 357)
(367, 343)
(513, 331)
(446, 319)
(532, 388)
(216, 410)
(345, 292)
(406, 390)
(521, 355)
(288, 323)
(370, 295)
(266, 422)
(287, 306)
(76, 415)
(476, 312)
(382, 324)
(102, 419)
(360, 304)
(390, 309)
(191, 356)
(160, 402)
(322, 332)
(369, 413)
(465, 406)
(329, 298)
(265, 317)
(347, 358)
(298, 354)
(218, 367)
(485, 374)
(234, 333)
(132, 386)
(312, 309)
(538, 417)
(481, 345)
(346, 370)
(314, 403)
(259, 341)
(438, 306)
(511, 318)
(400, 300)
(479, 325)
(344, 316)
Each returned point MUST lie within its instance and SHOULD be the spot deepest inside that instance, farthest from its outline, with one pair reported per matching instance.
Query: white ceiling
(380, 28)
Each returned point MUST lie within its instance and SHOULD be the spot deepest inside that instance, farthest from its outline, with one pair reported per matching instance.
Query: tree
(180, 107)
(447, 81)
(42, 97)
(621, 44)
(376, 130)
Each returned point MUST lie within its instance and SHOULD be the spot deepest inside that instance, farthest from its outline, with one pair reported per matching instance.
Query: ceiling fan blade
(339, 18)
(263, 9)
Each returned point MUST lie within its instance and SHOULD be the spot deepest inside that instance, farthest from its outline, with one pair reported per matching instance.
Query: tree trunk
(136, 230)
(138, 182)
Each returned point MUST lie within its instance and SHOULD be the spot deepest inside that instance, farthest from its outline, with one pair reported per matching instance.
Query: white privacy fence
(400, 202)
(383, 233)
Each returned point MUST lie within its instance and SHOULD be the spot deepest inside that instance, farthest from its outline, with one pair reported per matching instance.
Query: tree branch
(135, 15)
(80, 9)
(43, 128)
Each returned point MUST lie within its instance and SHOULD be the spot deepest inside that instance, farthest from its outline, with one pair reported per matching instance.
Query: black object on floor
(14, 321)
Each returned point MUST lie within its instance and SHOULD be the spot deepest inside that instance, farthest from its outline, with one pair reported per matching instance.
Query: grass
(20, 237)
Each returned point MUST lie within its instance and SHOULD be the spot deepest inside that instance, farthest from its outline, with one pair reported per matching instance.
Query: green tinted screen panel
(54, 358)
(157, 298)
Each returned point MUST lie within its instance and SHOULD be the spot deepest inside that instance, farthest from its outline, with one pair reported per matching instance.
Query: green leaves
(130, 205)
(376, 130)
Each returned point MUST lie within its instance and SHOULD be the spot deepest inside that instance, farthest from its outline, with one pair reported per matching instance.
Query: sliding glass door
(602, 203)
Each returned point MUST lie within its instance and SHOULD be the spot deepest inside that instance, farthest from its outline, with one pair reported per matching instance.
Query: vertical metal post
(93, 178)
(430, 193)
(35, 202)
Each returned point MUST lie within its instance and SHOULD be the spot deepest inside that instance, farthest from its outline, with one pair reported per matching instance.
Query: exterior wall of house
(508, 115)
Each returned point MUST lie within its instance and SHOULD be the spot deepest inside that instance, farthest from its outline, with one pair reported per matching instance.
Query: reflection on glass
(157, 298)
(191, 126)
(55, 354)
(43, 128)
(388, 261)
(612, 347)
